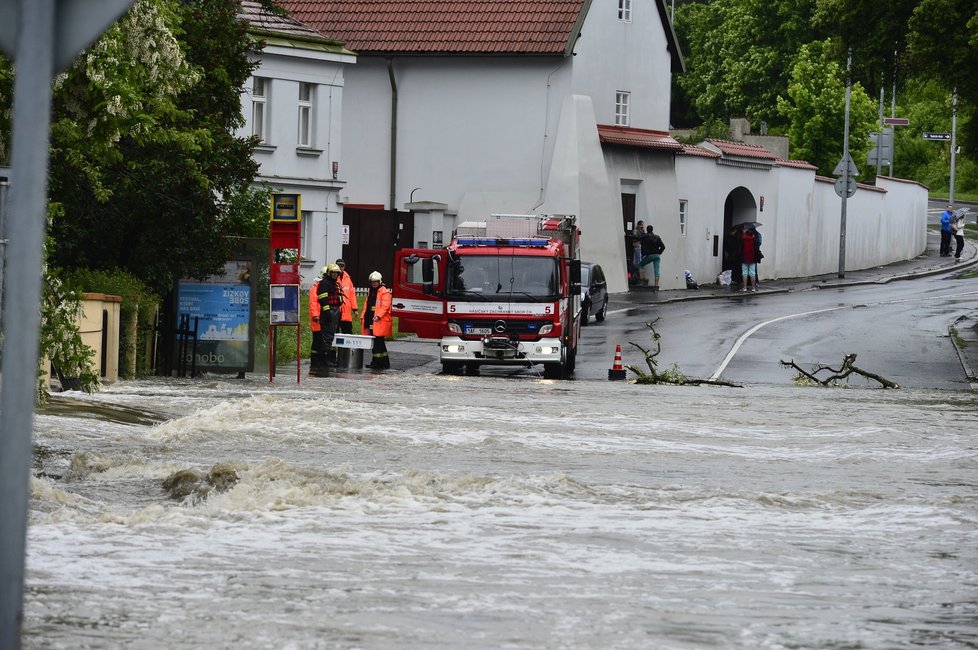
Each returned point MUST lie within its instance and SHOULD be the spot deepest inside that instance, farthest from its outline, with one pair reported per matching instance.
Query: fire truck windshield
(513, 277)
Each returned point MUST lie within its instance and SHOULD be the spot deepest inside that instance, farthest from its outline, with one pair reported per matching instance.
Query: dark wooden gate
(375, 235)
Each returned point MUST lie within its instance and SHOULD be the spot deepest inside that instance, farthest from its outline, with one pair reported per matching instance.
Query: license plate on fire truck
(478, 330)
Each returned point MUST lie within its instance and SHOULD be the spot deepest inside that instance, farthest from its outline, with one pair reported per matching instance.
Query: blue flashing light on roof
(495, 241)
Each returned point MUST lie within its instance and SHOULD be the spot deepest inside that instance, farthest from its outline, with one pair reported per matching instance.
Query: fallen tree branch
(670, 376)
(844, 371)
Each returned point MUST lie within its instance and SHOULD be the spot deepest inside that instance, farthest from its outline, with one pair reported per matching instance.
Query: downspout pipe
(393, 171)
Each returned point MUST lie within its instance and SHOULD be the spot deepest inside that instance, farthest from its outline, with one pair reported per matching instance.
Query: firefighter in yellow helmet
(377, 320)
(330, 302)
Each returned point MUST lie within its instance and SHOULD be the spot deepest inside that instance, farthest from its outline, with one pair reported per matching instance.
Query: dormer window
(625, 11)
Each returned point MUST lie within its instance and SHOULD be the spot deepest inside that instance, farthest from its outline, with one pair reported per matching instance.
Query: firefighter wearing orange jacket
(318, 356)
(349, 291)
(377, 321)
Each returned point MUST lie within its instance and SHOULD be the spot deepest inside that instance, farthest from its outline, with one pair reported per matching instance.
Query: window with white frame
(625, 10)
(306, 235)
(621, 108)
(305, 115)
(259, 108)
(683, 212)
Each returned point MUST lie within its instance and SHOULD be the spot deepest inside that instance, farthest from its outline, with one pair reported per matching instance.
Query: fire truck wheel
(553, 371)
(472, 369)
(451, 368)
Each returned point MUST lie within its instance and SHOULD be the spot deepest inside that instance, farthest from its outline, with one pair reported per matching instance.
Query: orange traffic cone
(616, 371)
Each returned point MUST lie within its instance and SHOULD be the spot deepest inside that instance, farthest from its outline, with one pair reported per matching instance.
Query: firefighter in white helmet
(377, 320)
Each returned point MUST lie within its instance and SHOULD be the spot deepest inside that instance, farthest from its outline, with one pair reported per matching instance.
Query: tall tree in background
(739, 54)
(144, 164)
(815, 108)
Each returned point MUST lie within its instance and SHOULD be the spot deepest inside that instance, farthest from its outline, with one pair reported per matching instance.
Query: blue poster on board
(222, 306)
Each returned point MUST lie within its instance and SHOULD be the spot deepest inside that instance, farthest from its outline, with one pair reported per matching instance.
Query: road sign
(896, 121)
(845, 190)
(936, 136)
(846, 161)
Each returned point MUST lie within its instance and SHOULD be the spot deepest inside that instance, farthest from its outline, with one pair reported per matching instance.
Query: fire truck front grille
(499, 327)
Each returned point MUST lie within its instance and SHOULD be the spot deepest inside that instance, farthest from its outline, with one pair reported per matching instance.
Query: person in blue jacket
(946, 231)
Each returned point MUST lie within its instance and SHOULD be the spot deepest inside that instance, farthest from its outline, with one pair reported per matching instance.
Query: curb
(969, 374)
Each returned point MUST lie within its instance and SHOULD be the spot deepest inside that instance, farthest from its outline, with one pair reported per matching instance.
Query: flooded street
(418, 511)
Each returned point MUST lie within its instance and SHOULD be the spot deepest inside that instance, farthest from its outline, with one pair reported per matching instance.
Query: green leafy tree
(738, 54)
(144, 163)
(815, 108)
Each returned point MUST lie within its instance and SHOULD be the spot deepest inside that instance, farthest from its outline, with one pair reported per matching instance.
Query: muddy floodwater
(421, 511)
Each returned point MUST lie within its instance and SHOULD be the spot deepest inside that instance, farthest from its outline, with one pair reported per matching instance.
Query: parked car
(594, 292)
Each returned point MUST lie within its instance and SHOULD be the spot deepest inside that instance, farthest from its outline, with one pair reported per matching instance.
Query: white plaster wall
(801, 217)
(465, 126)
(613, 55)
(695, 250)
(579, 184)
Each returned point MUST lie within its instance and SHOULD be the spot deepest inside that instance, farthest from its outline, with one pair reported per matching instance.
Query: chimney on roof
(739, 127)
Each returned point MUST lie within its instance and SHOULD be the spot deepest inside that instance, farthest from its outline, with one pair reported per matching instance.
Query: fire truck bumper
(500, 351)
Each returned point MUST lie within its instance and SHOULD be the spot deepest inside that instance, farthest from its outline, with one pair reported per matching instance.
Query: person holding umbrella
(958, 226)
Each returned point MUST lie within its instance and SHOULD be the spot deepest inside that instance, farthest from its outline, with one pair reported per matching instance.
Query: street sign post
(845, 187)
(945, 137)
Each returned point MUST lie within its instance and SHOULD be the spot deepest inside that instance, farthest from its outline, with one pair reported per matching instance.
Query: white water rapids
(404, 511)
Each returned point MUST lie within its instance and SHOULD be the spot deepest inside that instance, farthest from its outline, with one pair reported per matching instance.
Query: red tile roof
(800, 164)
(742, 149)
(693, 150)
(542, 27)
(642, 138)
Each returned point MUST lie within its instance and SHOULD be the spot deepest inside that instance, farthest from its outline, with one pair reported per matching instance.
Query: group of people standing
(332, 306)
(741, 255)
(952, 224)
(647, 248)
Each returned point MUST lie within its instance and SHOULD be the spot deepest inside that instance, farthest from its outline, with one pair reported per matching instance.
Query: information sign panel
(223, 308)
(284, 304)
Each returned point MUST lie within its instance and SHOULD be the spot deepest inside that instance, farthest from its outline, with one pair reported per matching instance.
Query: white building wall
(801, 220)
(614, 55)
(474, 134)
(286, 167)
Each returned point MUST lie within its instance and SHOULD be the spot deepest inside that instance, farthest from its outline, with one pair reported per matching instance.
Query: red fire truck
(505, 291)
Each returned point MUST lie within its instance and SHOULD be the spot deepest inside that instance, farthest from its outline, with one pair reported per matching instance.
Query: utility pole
(847, 169)
(954, 126)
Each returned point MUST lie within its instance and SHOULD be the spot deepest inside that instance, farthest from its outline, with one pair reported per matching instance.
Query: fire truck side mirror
(428, 275)
(575, 277)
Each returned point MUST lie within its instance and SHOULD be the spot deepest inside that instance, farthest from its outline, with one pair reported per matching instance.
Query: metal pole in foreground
(845, 173)
(25, 230)
(45, 36)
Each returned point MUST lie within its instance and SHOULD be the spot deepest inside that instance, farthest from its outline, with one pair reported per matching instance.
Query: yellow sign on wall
(285, 207)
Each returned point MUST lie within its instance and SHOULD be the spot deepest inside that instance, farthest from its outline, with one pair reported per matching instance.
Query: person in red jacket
(377, 320)
(749, 257)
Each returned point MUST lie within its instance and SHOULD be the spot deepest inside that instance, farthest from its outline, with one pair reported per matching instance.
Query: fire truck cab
(505, 291)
